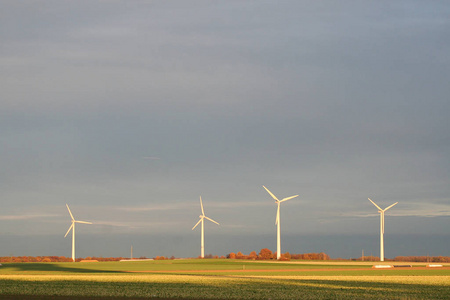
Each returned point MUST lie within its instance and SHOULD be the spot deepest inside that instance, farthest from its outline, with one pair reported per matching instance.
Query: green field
(220, 279)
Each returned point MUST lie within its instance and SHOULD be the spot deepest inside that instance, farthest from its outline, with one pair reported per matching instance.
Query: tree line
(264, 254)
(434, 259)
(411, 258)
(267, 254)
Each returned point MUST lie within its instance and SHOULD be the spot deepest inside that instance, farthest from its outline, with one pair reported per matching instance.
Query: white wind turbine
(73, 231)
(277, 221)
(381, 211)
(202, 218)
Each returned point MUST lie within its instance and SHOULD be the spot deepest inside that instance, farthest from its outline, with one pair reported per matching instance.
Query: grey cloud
(144, 106)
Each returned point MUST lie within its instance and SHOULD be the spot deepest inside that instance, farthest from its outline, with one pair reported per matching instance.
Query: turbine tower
(277, 221)
(202, 218)
(73, 231)
(381, 211)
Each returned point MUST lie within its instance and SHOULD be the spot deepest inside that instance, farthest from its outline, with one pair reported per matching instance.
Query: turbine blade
(197, 224)
(201, 204)
(70, 212)
(83, 222)
(211, 220)
(278, 215)
(382, 222)
(390, 206)
(374, 204)
(288, 198)
(69, 230)
(273, 196)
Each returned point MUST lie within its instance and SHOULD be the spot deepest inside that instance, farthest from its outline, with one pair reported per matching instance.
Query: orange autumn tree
(265, 254)
(253, 255)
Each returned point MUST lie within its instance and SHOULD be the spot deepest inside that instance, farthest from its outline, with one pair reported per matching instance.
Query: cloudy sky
(130, 110)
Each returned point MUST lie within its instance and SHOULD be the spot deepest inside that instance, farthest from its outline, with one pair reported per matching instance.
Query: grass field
(220, 279)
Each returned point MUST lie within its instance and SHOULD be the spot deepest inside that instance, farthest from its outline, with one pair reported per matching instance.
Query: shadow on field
(48, 267)
(21, 297)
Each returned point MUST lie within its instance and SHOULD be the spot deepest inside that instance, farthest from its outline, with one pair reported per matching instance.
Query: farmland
(222, 279)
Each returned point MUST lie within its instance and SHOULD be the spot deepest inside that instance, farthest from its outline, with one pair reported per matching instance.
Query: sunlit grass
(426, 280)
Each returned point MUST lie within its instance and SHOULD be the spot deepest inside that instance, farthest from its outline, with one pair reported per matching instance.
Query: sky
(128, 111)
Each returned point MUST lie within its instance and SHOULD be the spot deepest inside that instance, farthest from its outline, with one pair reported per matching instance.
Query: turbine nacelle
(74, 221)
(278, 202)
(380, 210)
(203, 216)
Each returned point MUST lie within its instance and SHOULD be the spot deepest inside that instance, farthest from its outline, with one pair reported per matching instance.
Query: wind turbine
(73, 231)
(381, 211)
(202, 218)
(277, 221)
